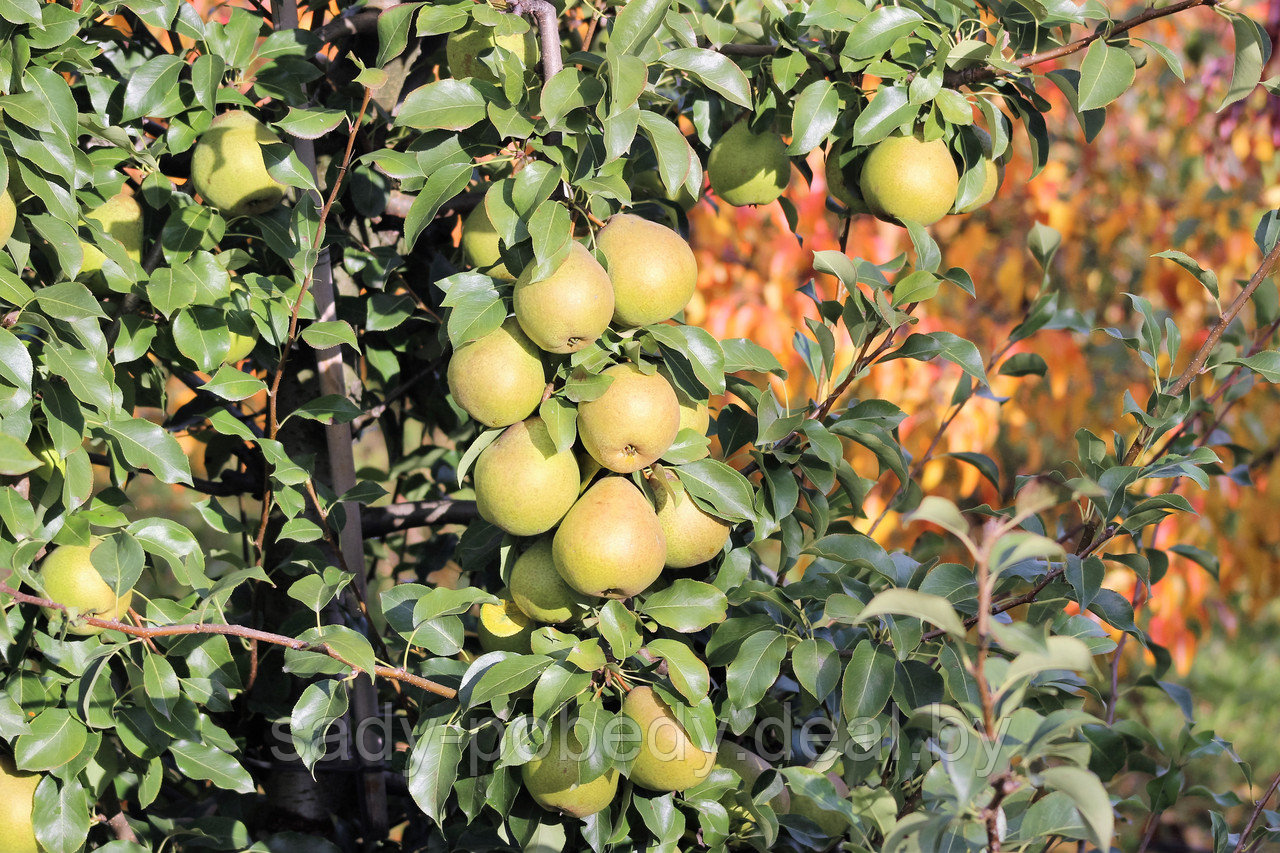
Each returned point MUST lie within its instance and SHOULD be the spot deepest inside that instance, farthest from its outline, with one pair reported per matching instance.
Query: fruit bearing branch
(181, 630)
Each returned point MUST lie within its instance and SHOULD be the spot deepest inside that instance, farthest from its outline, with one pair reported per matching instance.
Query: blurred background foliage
(1166, 171)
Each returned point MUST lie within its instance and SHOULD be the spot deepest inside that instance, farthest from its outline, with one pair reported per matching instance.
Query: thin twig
(1257, 813)
(241, 631)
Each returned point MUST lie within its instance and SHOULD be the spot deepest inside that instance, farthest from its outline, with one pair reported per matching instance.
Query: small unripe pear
(610, 544)
(652, 268)
(843, 168)
(748, 168)
(69, 577)
(523, 484)
(480, 245)
(503, 627)
(668, 759)
(993, 175)
(8, 216)
(17, 802)
(633, 422)
(244, 333)
(464, 48)
(906, 179)
(228, 169)
(568, 309)
(498, 379)
(693, 534)
(120, 217)
(552, 778)
(539, 590)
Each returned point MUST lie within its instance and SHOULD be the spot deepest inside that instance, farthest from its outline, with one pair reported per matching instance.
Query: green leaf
(147, 445)
(686, 606)
(1090, 798)
(49, 741)
(755, 668)
(635, 25)
(206, 762)
(686, 670)
(448, 104)
(714, 70)
(1253, 49)
(889, 110)
(816, 111)
(1206, 277)
(868, 682)
(879, 29)
(1105, 74)
(817, 666)
(161, 683)
(909, 602)
(61, 810)
(320, 706)
(329, 333)
(232, 384)
(15, 458)
(946, 345)
(712, 482)
(508, 676)
(1266, 364)
(329, 409)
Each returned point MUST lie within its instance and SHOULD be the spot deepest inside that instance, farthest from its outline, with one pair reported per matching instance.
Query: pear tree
(362, 486)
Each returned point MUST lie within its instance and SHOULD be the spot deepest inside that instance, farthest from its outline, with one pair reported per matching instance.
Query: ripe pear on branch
(68, 577)
(538, 588)
(504, 627)
(568, 309)
(667, 759)
(906, 179)
(610, 544)
(693, 535)
(498, 379)
(17, 802)
(554, 777)
(523, 483)
(748, 168)
(633, 422)
(228, 169)
(652, 268)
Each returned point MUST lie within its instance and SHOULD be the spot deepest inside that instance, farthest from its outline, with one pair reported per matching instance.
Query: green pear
(244, 332)
(906, 179)
(652, 269)
(748, 168)
(228, 169)
(667, 759)
(538, 588)
(568, 309)
(694, 414)
(842, 172)
(693, 535)
(69, 578)
(993, 175)
(610, 544)
(633, 422)
(650, 185)
(833, 824)
(480, 244)
(523, 484)
(503, 627)
(120, 217)
(498, 379)
(17, 802)
(464, 48)
(552, 776)
(8, 216)
(749, 766)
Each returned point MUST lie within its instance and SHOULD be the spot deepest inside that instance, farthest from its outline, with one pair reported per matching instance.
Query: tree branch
(548, 32)
(241, 631)
(1257, 813)
(380, 521)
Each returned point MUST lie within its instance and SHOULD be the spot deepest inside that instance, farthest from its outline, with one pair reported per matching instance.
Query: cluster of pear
(905, 178)
(902, 178)
(595, 537)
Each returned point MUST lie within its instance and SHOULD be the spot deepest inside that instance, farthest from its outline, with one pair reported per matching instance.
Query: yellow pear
(503, 627)
(228, 169)
(69, 578)
(748, 168)
(667, 759)
(539, 590)
(480, 244)
(120, 217)
(633, 422)
(568, 309)
(464, 48)
(906, 179)
(523, 484)
(693, 534)
(17, 801)
(749, 766)
(610, 544)
(498, 379)
(8, 216)
(552, 776)
(652, 269)
(993, 175)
